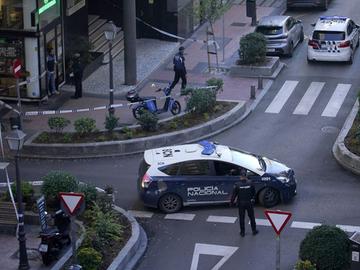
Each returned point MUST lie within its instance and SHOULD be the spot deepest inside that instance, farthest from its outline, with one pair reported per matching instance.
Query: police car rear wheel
(170, 203)
(269, 197)
(137, 113)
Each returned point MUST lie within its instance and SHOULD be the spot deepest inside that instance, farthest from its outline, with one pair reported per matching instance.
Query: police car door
(197, 183)
(227, 174)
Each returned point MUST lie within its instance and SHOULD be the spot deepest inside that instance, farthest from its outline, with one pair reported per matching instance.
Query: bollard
(260, 82)
(252, 92)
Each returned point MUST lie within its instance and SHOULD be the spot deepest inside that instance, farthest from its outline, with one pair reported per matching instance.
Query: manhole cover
(238, 24)
(329, 129)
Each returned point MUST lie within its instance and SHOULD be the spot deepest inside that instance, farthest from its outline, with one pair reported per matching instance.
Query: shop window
(11, 14)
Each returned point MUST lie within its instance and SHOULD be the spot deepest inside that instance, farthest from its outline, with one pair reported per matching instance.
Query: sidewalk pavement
(154, 65)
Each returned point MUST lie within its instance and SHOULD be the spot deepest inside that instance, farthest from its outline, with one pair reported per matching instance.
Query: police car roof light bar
(209, 147)
(333, 18)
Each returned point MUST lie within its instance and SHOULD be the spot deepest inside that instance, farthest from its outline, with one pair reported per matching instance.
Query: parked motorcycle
(150, 104)
(54, 239)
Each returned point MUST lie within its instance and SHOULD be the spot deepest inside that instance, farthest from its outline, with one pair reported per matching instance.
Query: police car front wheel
(269, 197)
(170, 203)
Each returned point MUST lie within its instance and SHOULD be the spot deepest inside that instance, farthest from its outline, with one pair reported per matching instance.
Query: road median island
(132, 146)
(344, 157)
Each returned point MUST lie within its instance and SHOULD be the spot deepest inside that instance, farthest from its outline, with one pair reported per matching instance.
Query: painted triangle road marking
(216, 250)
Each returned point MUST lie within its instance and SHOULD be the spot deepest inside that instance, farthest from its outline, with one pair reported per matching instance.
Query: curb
(343, 156)
(134, 248)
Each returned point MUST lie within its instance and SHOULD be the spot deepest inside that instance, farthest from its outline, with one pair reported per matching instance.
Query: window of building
(11, 14)
(48, 10)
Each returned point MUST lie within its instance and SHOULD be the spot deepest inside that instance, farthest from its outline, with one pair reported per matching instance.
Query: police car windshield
(329, 35)
(250, 161)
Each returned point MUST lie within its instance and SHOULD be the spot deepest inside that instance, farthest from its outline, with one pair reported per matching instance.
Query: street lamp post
(16, 140)
(110, 33)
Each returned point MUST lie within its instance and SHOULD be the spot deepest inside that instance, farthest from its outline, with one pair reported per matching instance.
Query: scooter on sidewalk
(150, 104)
(54, 239)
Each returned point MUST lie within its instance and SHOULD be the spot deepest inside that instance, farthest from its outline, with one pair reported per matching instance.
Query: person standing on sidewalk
(77, 73)
(50, 71)
(179, 68)
(244, 193)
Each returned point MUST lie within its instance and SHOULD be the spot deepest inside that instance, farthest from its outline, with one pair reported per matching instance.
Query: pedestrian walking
(179, 68)
(244, 194)
(50, 71)
(76, 74)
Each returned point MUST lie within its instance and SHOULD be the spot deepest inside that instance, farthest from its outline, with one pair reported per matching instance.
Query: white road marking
(336, 100)
(141, 214)
(348, 228)
(281, 97)
(262, 222)
(221, 219)
(304, 225)
(216, 250)
(180, 216)
(309, 98)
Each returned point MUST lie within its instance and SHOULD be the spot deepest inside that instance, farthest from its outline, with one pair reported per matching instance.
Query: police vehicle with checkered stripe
(205, 173)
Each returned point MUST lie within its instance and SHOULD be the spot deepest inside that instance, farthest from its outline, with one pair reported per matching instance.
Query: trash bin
(250, 8)
(355, 251)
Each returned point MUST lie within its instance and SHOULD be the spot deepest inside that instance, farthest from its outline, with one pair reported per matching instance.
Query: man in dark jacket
(77, 73)
(244, 193)
(179, 68)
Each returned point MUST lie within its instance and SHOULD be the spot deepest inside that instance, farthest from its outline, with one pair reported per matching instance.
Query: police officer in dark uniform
(244, 193)
(179, 68)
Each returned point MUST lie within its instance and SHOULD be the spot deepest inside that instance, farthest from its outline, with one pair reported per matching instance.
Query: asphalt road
(326, 193)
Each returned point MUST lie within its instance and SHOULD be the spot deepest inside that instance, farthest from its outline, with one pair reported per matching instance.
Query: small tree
(326, 246)
(58, 123)
(252, 48)
(209, 11)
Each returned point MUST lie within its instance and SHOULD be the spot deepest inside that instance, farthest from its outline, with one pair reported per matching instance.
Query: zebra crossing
(306, 103)
(231, 220)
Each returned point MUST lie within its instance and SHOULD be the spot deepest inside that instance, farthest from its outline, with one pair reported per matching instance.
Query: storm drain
(329, 129)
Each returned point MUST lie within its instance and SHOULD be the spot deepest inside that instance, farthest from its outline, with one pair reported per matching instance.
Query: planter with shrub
(328, 247)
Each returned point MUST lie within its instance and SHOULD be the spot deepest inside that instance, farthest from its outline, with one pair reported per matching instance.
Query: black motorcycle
(54, 239)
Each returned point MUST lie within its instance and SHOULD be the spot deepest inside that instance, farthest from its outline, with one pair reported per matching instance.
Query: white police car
(334, 38)
(205, 173)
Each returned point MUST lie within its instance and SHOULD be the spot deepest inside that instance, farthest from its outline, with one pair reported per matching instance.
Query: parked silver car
(282, 33)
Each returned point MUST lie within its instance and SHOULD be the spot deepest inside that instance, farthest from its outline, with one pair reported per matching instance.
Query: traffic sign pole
(73, 239)
(19, 101)
(278, 252)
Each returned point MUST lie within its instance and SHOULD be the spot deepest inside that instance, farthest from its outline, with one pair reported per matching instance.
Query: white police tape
(119, 105)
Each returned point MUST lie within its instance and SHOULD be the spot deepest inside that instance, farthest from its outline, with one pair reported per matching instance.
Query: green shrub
(55, 182)
(105, 202)
(67, 138)
(58, 123)
(27, 192)
(219, 83)
(90, 193)
(103, 229)
(43, 138)
(173, 124)
(84, 125)
(326, 246)
(305, 265)
(148, 121)
(111, 122)
(129, 133)
(252, 48)
(89, 258)
(201, 101)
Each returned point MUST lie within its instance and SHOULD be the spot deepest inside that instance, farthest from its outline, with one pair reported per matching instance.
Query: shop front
(29, 30)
